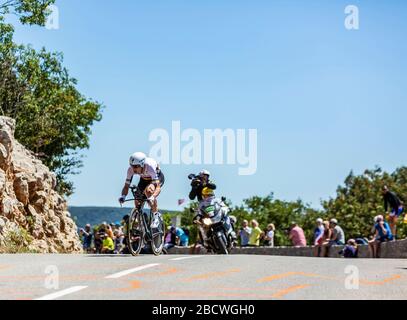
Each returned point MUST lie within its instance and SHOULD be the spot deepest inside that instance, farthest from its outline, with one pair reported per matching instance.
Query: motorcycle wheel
(221, 245)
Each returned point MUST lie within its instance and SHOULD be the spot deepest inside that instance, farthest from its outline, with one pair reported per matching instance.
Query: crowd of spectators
(327, 234)
(252, 236)
(104, 239)
(110, 238)
(176, 236)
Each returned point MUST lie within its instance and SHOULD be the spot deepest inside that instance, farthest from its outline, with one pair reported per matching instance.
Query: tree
(360, 199)
(53, 119)
(28, 11)
(12, 91)
(280, 213)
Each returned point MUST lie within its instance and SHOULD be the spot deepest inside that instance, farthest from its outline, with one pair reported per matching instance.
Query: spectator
(183, 239)
(118, 241)
(350, 250)
(124, 224)
(186, 231)
(319, 236)
(382, 234)
(397, 208)
(337, 237)
(319, 232)
(108, 244)
(103, 225)
(87, 237)
(325, 238)
(170, 239)
(109, 231)
(297, 236)
(168, 235)
(269, 236)
(99, 233)
(255, 235)
(245, 233)
(362, 241)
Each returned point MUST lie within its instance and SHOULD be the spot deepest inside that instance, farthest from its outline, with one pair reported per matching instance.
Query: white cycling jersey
(150, 172)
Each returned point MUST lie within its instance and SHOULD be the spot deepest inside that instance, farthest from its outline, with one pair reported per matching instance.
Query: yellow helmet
(207, 192)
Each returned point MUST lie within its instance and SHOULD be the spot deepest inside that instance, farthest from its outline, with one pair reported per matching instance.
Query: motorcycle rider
(210, 202)
(199, 183)
(151, 181)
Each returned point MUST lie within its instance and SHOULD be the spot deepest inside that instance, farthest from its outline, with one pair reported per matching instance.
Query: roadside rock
(30, 208)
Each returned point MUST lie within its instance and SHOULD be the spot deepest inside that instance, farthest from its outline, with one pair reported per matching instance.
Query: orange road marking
(19, 293)
(284, 292)
(312, 275)
(134, 285)
(380, 283)
(190, 294)
(203, 295)
(41, 277)
(166, 272)
(277, 276)
(289, 274)
(246, 289)
(212, 275)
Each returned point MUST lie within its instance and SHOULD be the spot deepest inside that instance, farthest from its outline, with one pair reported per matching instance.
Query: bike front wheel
(135, 233)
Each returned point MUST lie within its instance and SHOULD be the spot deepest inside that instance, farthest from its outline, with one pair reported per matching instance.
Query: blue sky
(325, 100)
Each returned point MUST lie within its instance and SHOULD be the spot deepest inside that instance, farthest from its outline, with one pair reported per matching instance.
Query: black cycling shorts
(143, 183)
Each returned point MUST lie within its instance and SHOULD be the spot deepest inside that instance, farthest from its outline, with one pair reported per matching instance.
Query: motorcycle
(215, 227)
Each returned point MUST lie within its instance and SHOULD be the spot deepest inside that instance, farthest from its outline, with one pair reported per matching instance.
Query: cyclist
(199, 183)
(151, 181)
(397, 208)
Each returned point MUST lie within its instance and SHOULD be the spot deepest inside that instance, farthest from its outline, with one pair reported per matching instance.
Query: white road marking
(62, 293)
(126, 272)
(185, 258)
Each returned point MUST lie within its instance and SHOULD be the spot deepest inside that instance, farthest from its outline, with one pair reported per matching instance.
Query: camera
(196, 180)
(192, 176)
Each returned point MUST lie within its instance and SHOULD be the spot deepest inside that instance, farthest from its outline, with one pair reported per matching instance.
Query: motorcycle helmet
(207, 192)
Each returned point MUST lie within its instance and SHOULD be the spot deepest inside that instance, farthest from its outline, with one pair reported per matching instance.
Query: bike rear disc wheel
(135, 233)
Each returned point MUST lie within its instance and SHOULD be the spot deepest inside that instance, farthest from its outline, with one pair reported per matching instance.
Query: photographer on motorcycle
(199, 183)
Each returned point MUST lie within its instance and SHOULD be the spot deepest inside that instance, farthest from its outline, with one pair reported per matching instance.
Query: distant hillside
(97, 215)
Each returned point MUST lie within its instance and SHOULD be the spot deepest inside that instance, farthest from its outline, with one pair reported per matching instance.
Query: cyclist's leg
(142, 186)
(151, 189)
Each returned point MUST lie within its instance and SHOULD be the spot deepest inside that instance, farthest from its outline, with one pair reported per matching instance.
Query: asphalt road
(78, 277)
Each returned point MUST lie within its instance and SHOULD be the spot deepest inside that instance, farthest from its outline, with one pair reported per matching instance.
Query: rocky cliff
(33, 216)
